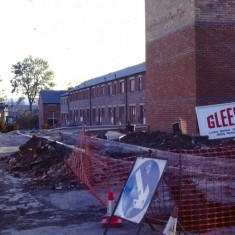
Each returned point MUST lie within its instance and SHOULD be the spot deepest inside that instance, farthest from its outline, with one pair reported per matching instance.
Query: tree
(27, 120)
(30, 76)
(20, 100)
(2, 97)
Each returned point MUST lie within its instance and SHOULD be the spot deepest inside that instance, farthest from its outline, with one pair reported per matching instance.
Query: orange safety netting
(201, 183)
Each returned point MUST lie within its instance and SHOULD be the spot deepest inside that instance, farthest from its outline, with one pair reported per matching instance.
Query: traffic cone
(115, 222)
(171, 225)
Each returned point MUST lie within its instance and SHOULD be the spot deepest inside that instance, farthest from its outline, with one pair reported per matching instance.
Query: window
(102, 90)
(122, 87)
(88, 93)
(115, 88)
(88, 115)
(140, 83)
(76, 115)
(103, 112)
(110, 89)
(93, 92)
(142, 114)
(132, 85)
(94, 114)
(110, 111)
(132, 114)
(121, 114)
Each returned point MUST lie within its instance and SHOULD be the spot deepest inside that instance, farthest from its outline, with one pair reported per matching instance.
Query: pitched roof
(50, 96)
(139, 68)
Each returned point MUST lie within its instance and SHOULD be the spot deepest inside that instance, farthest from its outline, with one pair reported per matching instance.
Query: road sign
(140, 188)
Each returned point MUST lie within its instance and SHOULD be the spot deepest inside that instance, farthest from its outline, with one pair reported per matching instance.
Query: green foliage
(30, 76)
(27, 121)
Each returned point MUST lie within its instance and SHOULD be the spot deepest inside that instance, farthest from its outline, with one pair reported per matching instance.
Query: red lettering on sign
(223, 118)
(210, 121)
(230, 116)
(217, 121)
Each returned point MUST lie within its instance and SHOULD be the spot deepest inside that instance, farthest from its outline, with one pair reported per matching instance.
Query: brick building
(49, 107)
(190, 59)
(112, 99)
(4, 110)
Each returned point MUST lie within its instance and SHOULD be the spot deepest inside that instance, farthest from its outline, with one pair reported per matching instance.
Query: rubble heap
(170, 141)
(44, 161)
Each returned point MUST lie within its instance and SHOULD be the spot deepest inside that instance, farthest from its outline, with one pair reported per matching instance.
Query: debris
(170, 141)
(43, 160)
(114, 135)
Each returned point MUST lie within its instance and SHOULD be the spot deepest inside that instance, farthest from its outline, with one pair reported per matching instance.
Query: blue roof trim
(51, 96)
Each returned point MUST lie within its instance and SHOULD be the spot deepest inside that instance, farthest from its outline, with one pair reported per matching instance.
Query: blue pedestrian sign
(140, 188)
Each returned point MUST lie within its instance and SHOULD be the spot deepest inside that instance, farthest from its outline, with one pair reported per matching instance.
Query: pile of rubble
(44, 161)
(168, 141)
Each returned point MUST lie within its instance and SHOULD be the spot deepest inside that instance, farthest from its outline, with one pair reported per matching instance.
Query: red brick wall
(215, 10)
(47, 111)
(171, 80)
(189, 59)
(215, 63)
(136, 98)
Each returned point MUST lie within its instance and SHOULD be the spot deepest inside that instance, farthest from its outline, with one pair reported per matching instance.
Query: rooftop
(51, 96)
(139, 68)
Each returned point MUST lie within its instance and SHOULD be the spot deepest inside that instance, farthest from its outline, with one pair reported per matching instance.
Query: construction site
(50, 169)
(174, 174)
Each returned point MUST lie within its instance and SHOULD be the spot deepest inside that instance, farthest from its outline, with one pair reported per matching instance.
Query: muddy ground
(39, 194)
(170, 141)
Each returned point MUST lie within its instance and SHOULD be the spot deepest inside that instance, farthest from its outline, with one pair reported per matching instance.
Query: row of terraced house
(113, 99)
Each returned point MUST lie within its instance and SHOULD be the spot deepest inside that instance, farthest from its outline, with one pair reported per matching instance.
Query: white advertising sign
(216, 121)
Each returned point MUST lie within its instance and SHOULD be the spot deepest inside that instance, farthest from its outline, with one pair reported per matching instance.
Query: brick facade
(107, 101)
(50, 114)
(189, 59)
(49, 108)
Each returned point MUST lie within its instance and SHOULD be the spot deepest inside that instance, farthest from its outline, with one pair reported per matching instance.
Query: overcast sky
(81, 39)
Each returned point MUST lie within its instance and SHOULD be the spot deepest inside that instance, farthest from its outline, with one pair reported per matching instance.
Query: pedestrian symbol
(139, 188)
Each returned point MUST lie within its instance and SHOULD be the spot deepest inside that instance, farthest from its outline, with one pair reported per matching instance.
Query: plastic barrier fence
(201, 183)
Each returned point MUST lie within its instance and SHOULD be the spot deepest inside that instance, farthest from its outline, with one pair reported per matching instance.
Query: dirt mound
(167, 141)
(43, 160)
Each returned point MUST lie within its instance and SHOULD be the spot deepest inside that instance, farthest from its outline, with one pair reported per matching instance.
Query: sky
(80, 39)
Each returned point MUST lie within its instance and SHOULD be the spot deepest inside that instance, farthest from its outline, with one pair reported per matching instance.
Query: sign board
(216, 121)
(139, 189)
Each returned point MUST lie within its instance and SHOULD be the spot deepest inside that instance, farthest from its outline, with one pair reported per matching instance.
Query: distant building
(113, 99)
(19, 109)
(3, 111)
(49, 107)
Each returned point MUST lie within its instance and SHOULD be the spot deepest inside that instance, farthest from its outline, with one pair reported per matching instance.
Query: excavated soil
(168, 141)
